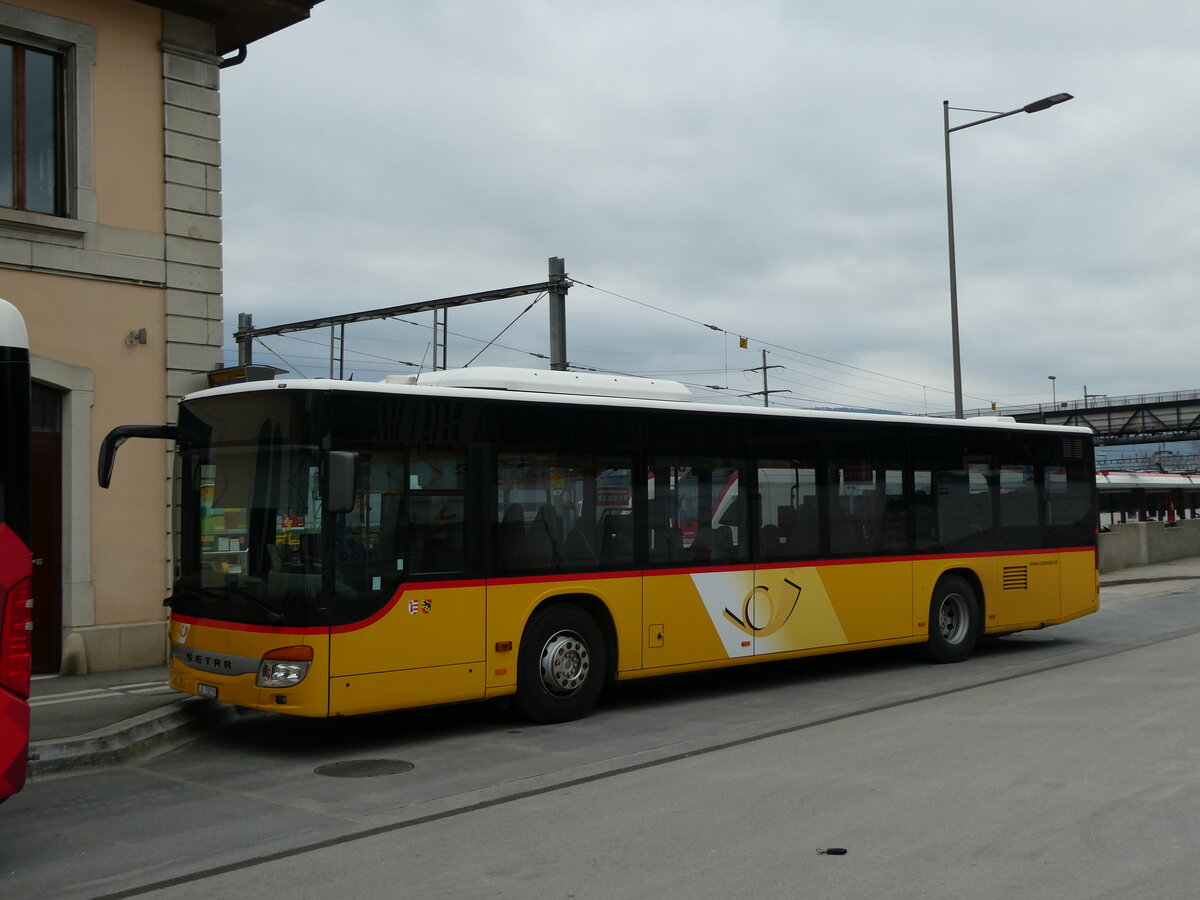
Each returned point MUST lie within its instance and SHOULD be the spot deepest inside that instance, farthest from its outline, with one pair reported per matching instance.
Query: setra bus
(16, 560)
(348, 548)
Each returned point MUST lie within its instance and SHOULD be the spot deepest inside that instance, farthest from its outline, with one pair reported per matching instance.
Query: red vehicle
(16, 561)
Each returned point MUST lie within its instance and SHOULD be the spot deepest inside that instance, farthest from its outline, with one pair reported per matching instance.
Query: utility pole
(245, 340)
(558, 313)
(441, 338)
(766, 394)
(337, 351)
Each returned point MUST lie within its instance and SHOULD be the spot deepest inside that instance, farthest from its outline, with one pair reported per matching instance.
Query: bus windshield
(251, 518)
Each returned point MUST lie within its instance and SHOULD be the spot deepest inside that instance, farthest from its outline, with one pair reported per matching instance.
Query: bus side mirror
(341, 478)
(119, 435)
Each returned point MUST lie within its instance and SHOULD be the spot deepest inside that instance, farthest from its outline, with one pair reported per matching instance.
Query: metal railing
(1092, 402)
(1174, 463)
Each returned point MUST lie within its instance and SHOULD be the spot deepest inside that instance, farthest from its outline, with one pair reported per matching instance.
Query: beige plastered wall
(82, 326)
(79, 320)
(127, 97)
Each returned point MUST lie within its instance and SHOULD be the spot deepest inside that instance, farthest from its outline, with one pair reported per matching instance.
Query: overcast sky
(774, 170)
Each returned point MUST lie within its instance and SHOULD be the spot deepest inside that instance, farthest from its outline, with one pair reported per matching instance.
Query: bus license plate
(207, 690)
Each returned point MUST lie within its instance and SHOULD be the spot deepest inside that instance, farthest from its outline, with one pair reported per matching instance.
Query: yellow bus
(348, 548)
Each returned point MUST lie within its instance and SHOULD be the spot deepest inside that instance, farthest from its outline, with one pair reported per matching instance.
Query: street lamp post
(1036, 106)
(1053, 391)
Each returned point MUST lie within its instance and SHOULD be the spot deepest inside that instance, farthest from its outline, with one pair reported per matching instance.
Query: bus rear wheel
(561, 665)
(953, 621)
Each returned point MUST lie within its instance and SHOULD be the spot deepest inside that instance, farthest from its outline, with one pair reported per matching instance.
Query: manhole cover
(364, 768)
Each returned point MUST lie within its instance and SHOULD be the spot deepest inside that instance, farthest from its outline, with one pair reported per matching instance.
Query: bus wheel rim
(952, 618)
(565, 663)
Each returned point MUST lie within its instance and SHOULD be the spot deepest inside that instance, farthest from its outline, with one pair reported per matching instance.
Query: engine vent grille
(1016, 578)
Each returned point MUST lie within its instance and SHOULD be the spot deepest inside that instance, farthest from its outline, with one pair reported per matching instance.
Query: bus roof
(540, 386)
(543, 381)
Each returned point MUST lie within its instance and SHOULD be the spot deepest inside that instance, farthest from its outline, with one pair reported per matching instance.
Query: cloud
(771, 169)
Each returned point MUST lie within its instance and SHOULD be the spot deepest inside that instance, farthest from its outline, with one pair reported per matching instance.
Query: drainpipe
(235, 60)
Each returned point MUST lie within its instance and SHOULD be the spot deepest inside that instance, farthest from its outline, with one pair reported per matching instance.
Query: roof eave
(240, 22)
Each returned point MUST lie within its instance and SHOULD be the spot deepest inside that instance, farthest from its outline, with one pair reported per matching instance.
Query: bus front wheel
(560, 666)
(953, 621)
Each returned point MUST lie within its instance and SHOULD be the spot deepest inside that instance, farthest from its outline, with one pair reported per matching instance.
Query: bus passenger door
(864, 593)
(811, 606)
(426, 647)
(409, 626)
(724, 631)
(790, 609)
(699, 581)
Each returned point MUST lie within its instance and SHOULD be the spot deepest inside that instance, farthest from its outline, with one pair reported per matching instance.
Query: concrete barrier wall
(1142, 543)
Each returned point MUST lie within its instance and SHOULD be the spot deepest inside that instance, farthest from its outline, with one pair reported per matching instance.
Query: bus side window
(924, 517)
(786, 509)
(666, 537)
(409, 518)
(560, 512)
(510, 536)
(616, 544)
(696, 513)
(866, 502)
(435, 532)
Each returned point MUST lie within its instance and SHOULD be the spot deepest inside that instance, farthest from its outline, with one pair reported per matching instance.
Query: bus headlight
(284, 667)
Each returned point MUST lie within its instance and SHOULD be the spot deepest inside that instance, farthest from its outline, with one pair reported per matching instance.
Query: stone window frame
(77, 44)
(31, 103)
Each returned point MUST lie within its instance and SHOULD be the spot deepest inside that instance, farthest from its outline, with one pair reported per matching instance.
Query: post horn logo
(780, 612)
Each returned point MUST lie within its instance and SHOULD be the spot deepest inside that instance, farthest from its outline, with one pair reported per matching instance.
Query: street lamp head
(1046, 103)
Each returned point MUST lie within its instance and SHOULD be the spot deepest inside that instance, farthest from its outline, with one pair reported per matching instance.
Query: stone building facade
(110, 246)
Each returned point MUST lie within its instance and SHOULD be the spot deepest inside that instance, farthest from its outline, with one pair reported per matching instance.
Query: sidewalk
(1174, 570)
(103, 719)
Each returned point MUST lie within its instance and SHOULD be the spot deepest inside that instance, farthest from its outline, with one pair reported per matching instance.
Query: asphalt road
(1060, 763)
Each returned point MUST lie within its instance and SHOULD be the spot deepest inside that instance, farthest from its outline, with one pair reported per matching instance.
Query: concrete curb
(1116, 582)
(152, 732)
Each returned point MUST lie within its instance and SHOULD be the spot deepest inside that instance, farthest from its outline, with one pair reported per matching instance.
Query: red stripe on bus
(600, 576)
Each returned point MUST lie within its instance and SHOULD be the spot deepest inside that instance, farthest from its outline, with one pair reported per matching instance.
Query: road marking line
(142, 689)
(81, 696)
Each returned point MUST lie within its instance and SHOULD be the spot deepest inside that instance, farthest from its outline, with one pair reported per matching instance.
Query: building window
(31, 129)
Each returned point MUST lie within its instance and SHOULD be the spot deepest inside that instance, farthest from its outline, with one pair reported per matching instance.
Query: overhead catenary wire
(819, 386)
(291, 366)
(505, 328)
(291, 337)
(771, 344)
(478, 340)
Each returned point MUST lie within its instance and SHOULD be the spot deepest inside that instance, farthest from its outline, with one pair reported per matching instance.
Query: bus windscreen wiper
(274, 616)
